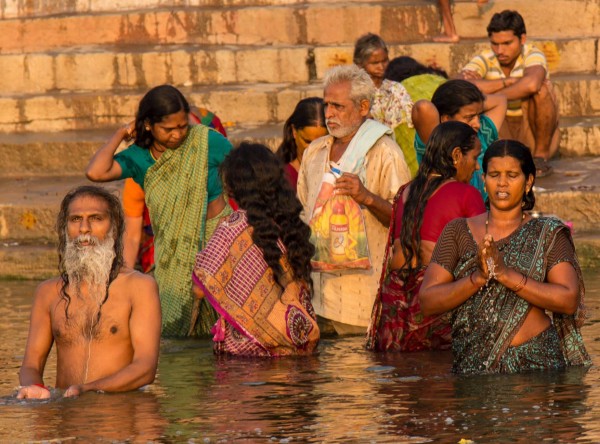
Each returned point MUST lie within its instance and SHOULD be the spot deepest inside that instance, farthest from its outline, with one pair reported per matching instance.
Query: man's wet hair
(117, 224)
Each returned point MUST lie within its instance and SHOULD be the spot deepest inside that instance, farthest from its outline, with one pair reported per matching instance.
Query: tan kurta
(348, 296)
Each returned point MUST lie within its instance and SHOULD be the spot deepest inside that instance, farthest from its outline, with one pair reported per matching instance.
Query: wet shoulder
(134, 284)
(48, 291)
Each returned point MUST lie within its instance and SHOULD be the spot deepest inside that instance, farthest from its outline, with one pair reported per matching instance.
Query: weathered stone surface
(28, 206)
(68, 152)
(190, 65)
(28, 261)
(246, 104)
(571, 56)
(565, 18)
(572, 192)
(293, 24)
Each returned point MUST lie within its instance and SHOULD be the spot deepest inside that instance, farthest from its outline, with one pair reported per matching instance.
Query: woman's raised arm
(102, 166)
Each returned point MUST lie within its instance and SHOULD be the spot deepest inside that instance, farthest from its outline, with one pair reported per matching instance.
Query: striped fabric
(487, 66)
(176, 195)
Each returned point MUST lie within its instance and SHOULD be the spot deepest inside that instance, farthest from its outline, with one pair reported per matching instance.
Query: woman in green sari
(512, 282)
(177, 165)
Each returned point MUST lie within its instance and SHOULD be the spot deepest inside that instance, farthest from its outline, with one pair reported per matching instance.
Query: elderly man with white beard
(104, 318)
(346, 298)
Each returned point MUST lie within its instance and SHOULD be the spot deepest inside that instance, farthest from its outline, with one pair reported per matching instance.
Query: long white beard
(89, 264)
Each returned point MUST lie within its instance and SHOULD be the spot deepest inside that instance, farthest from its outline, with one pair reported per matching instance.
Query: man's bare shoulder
(49, 290)
(139, 285)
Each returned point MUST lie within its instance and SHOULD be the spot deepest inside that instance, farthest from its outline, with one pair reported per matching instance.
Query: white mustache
(91, 240)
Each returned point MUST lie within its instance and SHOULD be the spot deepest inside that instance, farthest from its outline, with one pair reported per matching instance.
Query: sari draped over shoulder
(397, 323)
(484, 326)
(176, 195)
(259, 317)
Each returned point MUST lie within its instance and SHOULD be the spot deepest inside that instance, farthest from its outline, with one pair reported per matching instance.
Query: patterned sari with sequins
(258, 316)
(484, 326)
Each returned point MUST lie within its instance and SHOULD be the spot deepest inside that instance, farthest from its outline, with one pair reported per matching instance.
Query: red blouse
(451, 201)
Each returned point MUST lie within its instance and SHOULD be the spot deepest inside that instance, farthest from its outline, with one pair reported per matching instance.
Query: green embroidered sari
(176, 195)
(484, 326)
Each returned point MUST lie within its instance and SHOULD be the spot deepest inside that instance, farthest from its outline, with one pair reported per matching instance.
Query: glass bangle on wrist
(521, 284)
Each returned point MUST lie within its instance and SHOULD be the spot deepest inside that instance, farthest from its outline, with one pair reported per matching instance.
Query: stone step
(68, 152)
(28, 205)
(278, 24)
(259, 103)
(572, 192)
(272, 22)
(19, 261)
(107, 68)
(26, 155)
(26, 9)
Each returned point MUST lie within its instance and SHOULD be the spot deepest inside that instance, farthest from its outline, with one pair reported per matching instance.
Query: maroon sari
(397, 323)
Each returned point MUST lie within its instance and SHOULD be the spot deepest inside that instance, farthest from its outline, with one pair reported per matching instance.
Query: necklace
(487, 221)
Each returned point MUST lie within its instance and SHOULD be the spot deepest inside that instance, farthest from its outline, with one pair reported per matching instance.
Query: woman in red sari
(439, 193)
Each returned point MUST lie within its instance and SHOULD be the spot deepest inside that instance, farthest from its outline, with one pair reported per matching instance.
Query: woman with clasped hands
(501, 273)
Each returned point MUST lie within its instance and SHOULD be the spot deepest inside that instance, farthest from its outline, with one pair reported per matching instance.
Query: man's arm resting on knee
(523, 87)
(39, 343)
(144, 325)
(515, 88)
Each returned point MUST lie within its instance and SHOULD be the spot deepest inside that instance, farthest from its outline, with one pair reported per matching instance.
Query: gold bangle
(521, 284)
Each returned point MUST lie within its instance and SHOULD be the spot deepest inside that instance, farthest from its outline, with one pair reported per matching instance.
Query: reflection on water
(343, 395)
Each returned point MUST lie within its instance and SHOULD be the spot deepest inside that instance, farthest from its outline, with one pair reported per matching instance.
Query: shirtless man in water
(104, 318)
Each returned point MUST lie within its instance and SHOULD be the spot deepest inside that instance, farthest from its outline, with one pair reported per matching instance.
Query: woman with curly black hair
(255, 270)
(438, 194)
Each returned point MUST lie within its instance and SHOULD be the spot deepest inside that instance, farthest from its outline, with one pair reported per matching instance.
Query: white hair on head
(361, 85)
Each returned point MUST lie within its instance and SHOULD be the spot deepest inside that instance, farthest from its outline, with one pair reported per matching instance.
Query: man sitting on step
(372, 169)
(519, 71)
(104, 318)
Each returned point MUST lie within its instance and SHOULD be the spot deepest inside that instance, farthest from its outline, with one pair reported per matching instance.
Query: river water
(345, 394)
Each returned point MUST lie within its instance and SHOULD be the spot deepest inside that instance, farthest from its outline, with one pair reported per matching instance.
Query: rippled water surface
(343, 395)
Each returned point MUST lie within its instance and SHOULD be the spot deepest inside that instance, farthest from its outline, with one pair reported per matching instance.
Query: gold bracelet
(521, 284)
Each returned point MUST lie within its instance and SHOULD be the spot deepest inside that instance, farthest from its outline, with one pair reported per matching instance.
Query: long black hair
(452, 95)
(158, 103)
(308, 112)
(117, 221)
(516, 150)
(436, 168)
(254, 177)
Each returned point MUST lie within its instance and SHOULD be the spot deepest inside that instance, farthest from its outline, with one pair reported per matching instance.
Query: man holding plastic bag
(346, 184)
